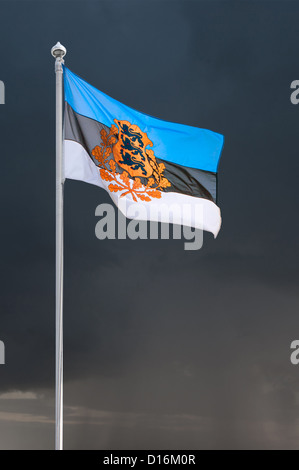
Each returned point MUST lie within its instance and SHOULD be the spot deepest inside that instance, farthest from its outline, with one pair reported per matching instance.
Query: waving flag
(138, 158)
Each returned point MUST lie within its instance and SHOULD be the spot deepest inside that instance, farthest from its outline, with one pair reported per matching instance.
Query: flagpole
(58, 51)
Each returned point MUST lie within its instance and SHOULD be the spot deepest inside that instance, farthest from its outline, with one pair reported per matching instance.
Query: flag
(139, 159)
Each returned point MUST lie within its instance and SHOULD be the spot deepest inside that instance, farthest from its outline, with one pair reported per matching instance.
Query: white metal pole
(59, 51)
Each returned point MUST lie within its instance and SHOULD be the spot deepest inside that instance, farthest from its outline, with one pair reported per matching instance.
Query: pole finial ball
(58, 51)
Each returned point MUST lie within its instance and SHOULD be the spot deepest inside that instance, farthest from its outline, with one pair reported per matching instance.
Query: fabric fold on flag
(139, 159)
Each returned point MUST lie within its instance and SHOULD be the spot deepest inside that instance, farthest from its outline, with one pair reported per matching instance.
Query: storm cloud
(164, 348)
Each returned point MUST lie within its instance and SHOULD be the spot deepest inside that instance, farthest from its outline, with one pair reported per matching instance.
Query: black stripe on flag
(185, 180)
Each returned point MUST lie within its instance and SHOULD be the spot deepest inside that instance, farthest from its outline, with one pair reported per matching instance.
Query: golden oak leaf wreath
(125, 146)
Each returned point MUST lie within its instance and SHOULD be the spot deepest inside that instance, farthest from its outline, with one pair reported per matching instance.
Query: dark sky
(164, 348)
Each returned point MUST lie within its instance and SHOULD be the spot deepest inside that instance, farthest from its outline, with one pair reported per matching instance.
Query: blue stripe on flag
(177, 143)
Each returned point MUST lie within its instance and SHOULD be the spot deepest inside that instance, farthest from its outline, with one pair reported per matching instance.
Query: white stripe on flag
(198, 213)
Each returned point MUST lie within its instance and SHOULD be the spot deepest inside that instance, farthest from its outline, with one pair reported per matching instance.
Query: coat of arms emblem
(124, 160)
